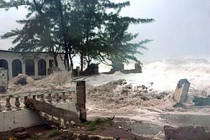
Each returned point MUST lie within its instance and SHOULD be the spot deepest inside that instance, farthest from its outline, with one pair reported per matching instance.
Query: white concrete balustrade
(13, 112)
(12, 102)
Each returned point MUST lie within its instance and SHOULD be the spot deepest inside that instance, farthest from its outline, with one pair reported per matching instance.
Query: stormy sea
(147, 98)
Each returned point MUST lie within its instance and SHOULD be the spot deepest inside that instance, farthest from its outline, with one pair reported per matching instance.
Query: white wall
(26, 118)
(10, 56)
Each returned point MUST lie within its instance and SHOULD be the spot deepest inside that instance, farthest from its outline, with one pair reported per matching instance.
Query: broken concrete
(51, 113)
(81, 99)
(180, 94)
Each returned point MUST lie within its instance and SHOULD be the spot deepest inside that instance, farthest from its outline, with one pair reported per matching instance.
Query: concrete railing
(14, 113)
(9, 102)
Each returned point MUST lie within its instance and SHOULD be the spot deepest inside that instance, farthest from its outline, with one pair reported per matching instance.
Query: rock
(129, 86)
(73, 123)
(22, 135)
(66, 136)
(83, 137)
(180, 94)
(201, 101)
(19, 129)
(145, 98)
(159, 96)
(2, 89)
(75, 136)
(96, 137)
(185, 133)
(144, 87)
(39, 134)
(120, 82)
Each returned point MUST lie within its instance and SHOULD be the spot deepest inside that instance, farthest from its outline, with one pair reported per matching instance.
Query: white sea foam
(160, 76)
(165, 74)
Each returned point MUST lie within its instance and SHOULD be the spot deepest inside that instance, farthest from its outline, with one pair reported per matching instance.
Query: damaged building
(36, 65)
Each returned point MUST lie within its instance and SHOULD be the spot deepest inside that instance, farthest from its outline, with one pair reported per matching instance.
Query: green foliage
(120, 46)
(76, 27)
(98, 123)
(35, 137)
(54, 133)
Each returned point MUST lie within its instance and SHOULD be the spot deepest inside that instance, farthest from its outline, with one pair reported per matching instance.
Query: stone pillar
(138, 68)
(180, 94)
(48, 72)
(23, 67)
(36, 68)
(122, 67)
(10, 69)
(78, 71)
(81, 100)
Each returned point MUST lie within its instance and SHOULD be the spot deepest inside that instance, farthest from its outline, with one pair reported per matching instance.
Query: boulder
(180, 94)
(185, 133)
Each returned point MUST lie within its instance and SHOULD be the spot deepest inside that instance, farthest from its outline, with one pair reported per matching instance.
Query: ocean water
(164, 75)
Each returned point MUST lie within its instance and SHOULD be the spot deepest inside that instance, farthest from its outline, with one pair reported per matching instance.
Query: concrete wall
(11, 56)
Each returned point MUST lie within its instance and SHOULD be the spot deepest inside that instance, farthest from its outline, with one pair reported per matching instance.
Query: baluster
(17, 103)
(64, 97)
(66, 123)
(8, 105)
(49, 98)
(0, 106)
(60, 123)
(57, 97)
(42, 98)
(25, 98)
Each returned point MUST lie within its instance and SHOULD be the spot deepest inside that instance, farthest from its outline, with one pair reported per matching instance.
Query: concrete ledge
(14, 119)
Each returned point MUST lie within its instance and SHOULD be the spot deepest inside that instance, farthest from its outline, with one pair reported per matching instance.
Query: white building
(35, 65)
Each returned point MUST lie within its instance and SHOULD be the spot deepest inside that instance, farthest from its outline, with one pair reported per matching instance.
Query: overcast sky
(181, 29)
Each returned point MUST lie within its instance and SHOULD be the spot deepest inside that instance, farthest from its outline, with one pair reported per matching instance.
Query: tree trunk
(71, 62)
(88, 62)
(66, 61)
(81, 62)
(55, 59)
(63, 29)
